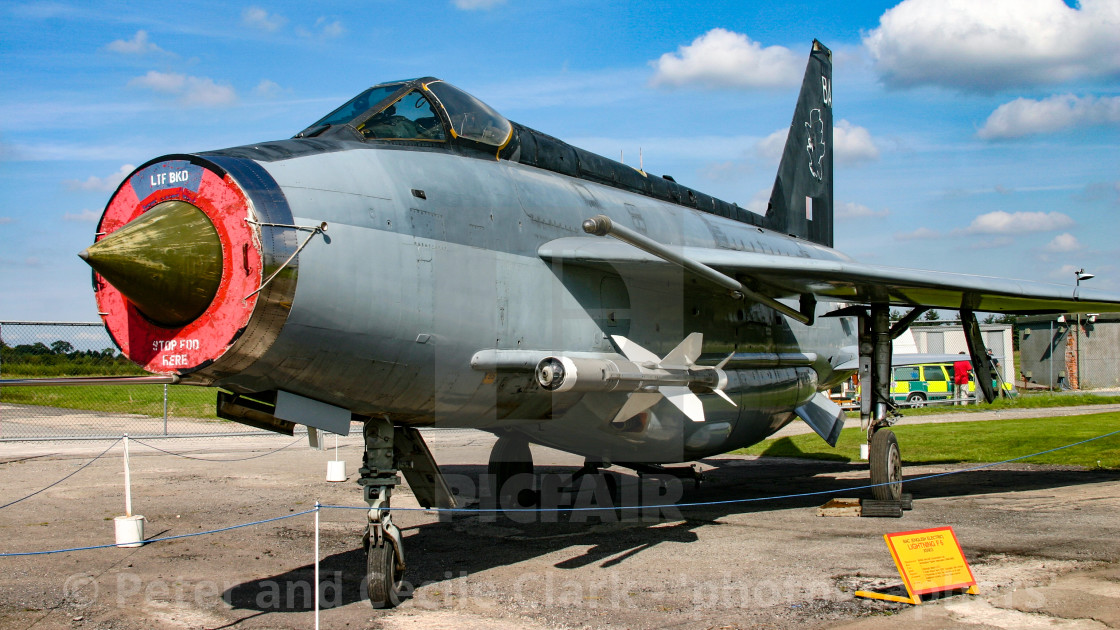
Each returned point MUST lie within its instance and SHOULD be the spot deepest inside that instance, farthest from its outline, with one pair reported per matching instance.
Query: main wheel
(511, 472)
(886, 466)
(384, 577)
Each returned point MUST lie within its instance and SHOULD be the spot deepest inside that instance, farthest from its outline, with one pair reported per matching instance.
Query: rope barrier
(165, 538)
(135, 441)
(206, 459)
(64, 478)
(319, 507)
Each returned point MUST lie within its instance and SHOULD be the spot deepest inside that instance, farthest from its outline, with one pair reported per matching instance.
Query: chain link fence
(1071, 351)
(56, 349)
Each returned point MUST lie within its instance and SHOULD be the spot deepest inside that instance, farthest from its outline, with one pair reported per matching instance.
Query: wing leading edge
(846, 280)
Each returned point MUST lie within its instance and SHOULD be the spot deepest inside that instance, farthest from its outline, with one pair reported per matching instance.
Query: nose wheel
(384, 574)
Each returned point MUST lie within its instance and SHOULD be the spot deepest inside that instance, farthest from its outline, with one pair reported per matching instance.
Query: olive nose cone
(167, 262)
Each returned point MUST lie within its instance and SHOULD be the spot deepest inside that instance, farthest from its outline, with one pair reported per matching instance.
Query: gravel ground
(1043, 542)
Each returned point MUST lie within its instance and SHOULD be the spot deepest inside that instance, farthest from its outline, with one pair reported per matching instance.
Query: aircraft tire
(511, 473)
(886, 466)
(384, 579)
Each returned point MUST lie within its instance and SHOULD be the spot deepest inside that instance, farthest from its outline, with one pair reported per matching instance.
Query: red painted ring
(191, 347)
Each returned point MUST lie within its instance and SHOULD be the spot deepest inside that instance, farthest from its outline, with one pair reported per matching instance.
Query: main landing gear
(877, 410)
(886, 466)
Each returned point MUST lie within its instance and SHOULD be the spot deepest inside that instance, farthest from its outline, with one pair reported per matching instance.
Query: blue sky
(973, 137)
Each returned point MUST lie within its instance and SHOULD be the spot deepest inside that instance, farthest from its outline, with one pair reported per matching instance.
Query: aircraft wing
(778, 277)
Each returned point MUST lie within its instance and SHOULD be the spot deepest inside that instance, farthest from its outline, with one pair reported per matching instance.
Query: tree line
(60, 358)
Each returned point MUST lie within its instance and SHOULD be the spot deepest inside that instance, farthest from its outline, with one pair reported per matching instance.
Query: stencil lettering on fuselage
(169, 174)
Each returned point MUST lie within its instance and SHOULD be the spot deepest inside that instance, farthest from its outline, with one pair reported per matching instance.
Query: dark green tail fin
(801, 201)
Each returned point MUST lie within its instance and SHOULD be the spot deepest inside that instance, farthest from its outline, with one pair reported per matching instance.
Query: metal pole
(165, 409)
(316, 564)
(127, 481)
(1051, 361)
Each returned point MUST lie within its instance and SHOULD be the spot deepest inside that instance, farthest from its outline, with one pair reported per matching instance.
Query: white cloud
(853, 144)
(1000, 222)
(6, 220)
(476, 5)
(258, 18)
(165, 82)
(770, 148)
(1024, 116)
(1065, 242)
(921, 233)
(85, 216)
(759, 201)
(138, 45)
(724, 59)
(852, 210)
(268, 89)
(323, 28)
(192, 91)
(1065, 273)
(995, 44)
(108, 183)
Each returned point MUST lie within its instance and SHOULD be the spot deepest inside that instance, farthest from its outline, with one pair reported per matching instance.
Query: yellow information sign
(929, 561)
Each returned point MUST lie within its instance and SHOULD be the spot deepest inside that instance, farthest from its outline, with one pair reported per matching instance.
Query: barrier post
(317, 508)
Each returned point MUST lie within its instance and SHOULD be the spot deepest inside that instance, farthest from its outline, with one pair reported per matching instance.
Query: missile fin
(686, 353)
(634, 352)
(725, 361)
(683, 399)
(722, 394)
(636, 404)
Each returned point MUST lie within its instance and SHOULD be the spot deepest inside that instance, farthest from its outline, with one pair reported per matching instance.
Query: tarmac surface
(1043, 543)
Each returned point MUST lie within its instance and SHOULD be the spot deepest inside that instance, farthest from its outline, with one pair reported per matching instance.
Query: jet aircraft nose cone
(167, 262)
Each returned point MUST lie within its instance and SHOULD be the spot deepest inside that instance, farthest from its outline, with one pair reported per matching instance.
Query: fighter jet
(415, 259)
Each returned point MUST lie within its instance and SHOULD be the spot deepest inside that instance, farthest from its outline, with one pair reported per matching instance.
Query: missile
(646, 376)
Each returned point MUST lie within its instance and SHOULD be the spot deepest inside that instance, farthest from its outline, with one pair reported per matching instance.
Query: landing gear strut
(384, 548)
(877, 410)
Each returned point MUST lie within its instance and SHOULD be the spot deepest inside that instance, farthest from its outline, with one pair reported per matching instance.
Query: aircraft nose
(167, 262)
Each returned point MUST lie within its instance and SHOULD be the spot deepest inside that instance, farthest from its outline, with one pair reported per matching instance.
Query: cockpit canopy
(418, 110)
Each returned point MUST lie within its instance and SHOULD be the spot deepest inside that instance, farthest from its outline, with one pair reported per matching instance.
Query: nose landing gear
(384, 549)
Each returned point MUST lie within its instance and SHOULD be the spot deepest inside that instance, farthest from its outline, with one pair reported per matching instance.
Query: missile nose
(167, 262)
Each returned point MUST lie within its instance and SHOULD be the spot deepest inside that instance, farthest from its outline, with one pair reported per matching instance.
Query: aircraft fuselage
(431, 257)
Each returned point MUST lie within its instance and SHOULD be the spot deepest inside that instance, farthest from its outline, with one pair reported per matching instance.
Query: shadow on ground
(437, 552)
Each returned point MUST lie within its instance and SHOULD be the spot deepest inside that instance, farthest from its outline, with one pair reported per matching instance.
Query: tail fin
(801, 201)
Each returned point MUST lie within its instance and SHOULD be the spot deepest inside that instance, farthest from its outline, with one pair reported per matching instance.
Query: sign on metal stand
(929, 561)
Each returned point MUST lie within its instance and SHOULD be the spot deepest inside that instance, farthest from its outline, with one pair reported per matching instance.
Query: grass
(183, 401)
(973, 442)
(1040, 400)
